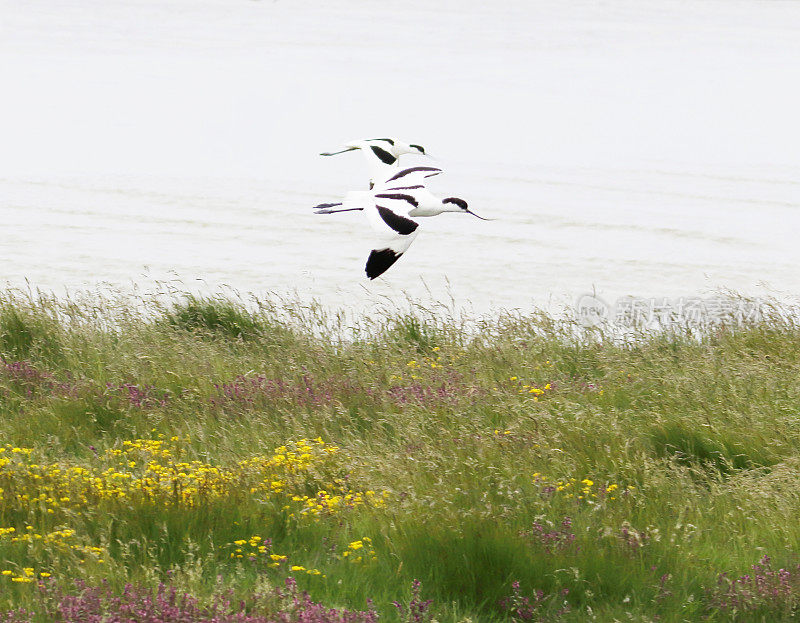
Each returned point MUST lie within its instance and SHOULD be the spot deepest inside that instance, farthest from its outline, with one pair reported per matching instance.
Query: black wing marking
(388, 140)
(400, 196)
(402, 225)
(383, 155)
(406, 187)
(379, 262)
(404, 172)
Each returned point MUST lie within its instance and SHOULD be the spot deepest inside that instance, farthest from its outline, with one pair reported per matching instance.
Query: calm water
(643, 148)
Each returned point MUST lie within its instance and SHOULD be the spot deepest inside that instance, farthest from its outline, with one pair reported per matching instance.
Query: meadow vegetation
(205, 459)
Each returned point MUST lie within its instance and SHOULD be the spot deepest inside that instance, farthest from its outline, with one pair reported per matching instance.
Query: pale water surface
(644, 148)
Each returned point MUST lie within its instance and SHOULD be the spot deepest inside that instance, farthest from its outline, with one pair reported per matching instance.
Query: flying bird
(382, 155)
(393, 208)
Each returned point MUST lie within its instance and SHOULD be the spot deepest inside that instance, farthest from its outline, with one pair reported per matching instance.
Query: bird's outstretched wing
(406, 179)
(395, 234)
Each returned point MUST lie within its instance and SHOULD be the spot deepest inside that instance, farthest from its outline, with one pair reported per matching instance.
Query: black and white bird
(392, 208)
(382, 155)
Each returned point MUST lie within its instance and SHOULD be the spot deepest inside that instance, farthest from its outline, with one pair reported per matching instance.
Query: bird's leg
(333, 153)
(327, 211)
(325, 208)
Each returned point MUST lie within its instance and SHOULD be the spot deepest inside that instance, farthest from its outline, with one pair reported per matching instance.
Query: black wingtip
(431, 172)
(379, 261)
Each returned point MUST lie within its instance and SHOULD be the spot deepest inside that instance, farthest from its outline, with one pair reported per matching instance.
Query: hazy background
(646, 148)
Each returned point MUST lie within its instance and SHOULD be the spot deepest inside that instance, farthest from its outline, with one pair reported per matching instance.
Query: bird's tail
(357, 199)
(354, 200)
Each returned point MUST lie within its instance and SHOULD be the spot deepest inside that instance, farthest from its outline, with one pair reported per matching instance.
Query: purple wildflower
(522, 608)
(552, 539)
(417, 610)
(165, 604)
(766, 589)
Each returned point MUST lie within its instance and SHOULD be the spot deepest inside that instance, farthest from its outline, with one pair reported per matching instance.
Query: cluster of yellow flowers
(302, 569)
(156, 472)
(62, 539)
(515, 384)
(526, 388)
(325, 503)
(427, 362)
(585, 489)
(256, 545)
(255, 548)
(360, 551)
(434, 362)
(142, 470)
(150, 471)
(27, 576)
(6, 453)
(295, 456)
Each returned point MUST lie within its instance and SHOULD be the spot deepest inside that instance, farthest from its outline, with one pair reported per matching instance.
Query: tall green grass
(698, 435)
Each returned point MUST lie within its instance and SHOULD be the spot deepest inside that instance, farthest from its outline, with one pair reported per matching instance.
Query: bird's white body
(392, 207)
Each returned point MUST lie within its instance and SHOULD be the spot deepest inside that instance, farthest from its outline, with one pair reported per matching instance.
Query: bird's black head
(463, 207)
(419, 148)
(459, 202)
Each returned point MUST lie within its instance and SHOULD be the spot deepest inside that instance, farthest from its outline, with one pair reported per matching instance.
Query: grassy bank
(513, 472)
